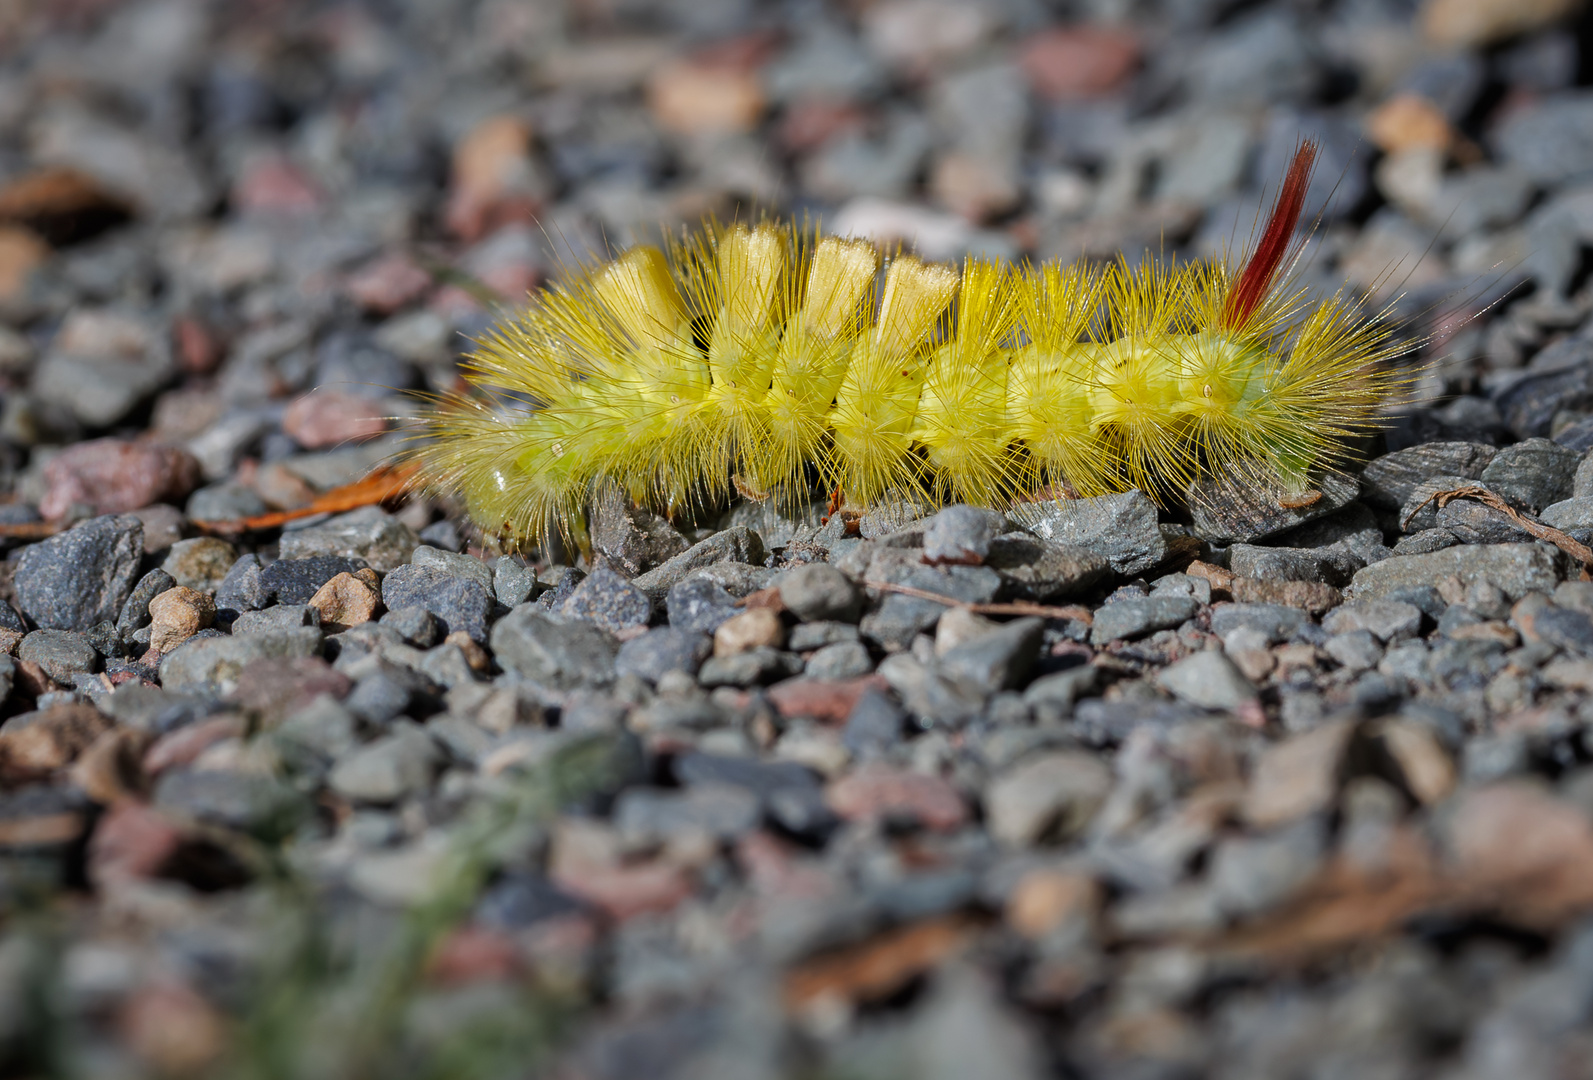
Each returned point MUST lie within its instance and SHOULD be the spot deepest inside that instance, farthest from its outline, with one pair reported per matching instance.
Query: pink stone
(327, 418)
(1072, 62)
(271, 184)
(114, 476)
(388, 284)
(878, 791)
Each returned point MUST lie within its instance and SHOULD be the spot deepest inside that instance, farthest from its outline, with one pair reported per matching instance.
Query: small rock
(452, 562)
(216, 661)
(134, 615)
(113, 476)
(347, 601)
(1356, 650)
(80, 577)
(692, 98)
(610, 601)
(552, 650)
(1045, 900)
(388, 284)
(1128, 619)
(819, 592)
(61, 653)
(1468, 24)
(1043, 571)
(736, 544)
(721, 811)
(1291, 564)
(1532, 473)
(998, 660)
(662, 649)
(879, 792)
(1515, 568)
(960, 535)
(1424, 764)
(458, 603)
(752, 667)
(753, 629)
(875, 723)
(201, 563)
(1227, 512)
(512, 583)
(1254, 874)
(177, 615)
(290, 581)
(1387, 620)
(843, 660)
(384, 542)
(387, 770)
(1310, 596)
(495, 179)
(330, 418)
(1298, 776)
(1047, 798)
(1208, 680)
(1123, 528)
(235, 800)
(276, 617)
(633, 539)
(699, 606)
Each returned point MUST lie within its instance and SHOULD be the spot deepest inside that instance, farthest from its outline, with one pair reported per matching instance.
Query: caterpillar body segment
(766, 358)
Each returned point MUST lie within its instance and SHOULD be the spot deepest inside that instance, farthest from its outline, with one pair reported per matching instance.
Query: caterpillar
(761, 358)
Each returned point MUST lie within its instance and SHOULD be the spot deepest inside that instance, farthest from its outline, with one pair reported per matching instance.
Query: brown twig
(381, 484)
(30, 530)
(1566, 543)
(1019, 607)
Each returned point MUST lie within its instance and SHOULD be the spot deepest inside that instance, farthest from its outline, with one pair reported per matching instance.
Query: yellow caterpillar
(766, 357)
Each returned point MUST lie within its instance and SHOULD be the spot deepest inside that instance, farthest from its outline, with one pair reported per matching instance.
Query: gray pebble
(242, 589)
(388, 769)
(214, 661)
(818, 592)
(276, 617)
(875, 724)
(380, 539)
(237, 800)
(1275, 622)
(512, 582)
(650, 815)
(843, 660)
(414, 624)
(61, 653)
(458, 603)
(1207, 680)
(449, 562)
(755, 667)
(1388, 620)
(663, 649)
(1121, 528)
(82, 576)
(610, 601)
(553, 650)
(1357, 650)
(1532, 474)
(738, 544)
(1135, 618)
(1516, 568)
(805, 637)
(960, 534)
(1389, 481)
(699, 606)
(1292, 564)
(998, 660)
(295, 580)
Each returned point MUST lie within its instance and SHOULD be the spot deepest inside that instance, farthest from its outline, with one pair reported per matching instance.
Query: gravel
(1221, 782)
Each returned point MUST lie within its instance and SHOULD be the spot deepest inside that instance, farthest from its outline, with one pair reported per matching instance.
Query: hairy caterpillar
(766, 357)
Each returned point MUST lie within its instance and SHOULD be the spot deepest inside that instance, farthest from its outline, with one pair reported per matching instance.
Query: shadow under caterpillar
(753, 359)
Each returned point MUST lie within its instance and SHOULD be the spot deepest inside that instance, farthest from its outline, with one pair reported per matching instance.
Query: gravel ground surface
(1260, 795)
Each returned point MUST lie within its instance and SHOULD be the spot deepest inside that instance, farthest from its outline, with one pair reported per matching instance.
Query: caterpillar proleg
(764, 358)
